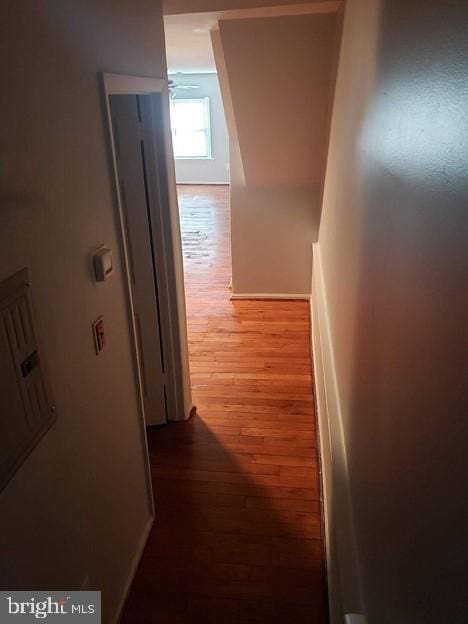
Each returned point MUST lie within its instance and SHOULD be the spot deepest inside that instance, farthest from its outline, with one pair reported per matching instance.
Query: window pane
(190, 122)
(190, 115)
(191, 143)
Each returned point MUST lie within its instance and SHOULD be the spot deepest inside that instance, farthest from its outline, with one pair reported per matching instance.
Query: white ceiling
(188, 40)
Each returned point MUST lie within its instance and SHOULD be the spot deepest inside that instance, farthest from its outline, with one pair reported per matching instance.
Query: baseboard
(302, 296)
(202, 183)
(344, 587)
(133, 568)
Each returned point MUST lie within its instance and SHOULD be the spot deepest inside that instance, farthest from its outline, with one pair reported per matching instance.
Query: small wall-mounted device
(102, 261)
(99, 335)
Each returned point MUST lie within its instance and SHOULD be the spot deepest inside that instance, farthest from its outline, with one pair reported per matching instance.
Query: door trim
(121, 84)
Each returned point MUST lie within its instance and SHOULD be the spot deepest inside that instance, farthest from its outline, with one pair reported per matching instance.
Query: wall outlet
(99, 335)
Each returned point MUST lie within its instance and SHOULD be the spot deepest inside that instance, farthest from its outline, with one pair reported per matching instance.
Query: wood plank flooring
(237, 537)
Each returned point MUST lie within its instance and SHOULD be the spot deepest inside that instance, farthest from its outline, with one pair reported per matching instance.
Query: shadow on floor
(222, 549)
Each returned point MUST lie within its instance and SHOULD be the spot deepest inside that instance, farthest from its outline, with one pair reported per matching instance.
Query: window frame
(205, 100)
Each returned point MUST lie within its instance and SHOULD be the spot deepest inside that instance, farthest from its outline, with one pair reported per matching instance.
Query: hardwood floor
(237, 537)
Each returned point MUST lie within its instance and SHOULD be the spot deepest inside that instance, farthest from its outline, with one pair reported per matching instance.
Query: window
(190, 124)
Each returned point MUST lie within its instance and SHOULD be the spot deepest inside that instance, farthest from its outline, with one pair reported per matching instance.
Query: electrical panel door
(26, 405)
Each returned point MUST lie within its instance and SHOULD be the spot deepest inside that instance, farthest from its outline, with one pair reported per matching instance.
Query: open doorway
(199, 131)
(201, 156)
(201, 146)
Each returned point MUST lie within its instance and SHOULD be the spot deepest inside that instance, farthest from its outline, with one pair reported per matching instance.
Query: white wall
(393, 242)
(214, 170)
(280, 79)
(78, 506)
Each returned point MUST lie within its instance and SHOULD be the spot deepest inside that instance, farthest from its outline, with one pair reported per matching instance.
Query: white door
(139, 189)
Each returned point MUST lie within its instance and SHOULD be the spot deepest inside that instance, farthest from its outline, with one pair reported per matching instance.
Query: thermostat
(103, 267)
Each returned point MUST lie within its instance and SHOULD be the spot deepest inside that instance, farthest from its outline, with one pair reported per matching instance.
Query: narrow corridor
(237, 536)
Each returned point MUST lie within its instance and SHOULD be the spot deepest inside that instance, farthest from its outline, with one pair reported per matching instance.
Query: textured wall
(393, 241)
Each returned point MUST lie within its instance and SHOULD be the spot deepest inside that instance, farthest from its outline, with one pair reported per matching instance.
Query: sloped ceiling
(188, 40)
(173, 7)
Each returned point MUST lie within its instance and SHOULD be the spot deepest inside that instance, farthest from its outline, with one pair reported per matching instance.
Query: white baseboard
(302, 296)
(202, 183)
(133, 568)
(344, 587)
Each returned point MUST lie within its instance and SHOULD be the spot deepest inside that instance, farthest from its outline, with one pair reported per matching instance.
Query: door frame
(123, 84)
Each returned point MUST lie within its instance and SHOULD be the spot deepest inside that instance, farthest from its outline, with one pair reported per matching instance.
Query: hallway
(237, 536)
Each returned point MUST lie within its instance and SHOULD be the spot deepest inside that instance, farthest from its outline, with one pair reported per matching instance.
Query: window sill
(193, 158)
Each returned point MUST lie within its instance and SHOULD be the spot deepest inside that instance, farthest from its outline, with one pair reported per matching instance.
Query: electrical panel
(26, 406)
